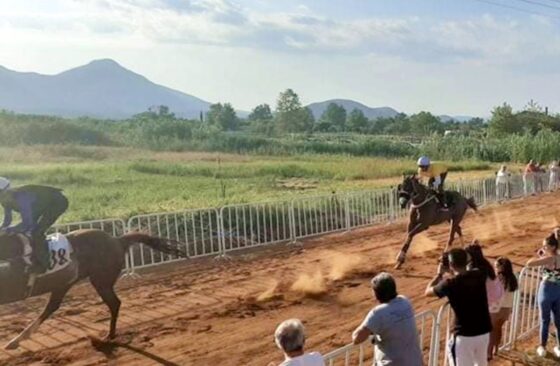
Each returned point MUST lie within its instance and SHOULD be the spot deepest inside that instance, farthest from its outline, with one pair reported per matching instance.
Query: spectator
(504, 270)
(553, 179)
(539, 175)
(494, 289)
(549, 291)
(392, 324)
(290, 338)
(528, 178)
(466, 292)
(502, 183)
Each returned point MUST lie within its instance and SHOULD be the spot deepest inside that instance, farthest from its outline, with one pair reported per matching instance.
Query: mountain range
(105, 89)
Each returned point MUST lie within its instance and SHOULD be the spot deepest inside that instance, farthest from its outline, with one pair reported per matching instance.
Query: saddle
(59, 250)
(444, 199)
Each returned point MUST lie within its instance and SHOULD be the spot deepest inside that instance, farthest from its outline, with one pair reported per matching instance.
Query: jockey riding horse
(436, 174)
(39, 208)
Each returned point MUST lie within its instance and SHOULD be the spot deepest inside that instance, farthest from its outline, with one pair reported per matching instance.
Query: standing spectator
(528, 178)
(290, 338)
(553, 179)
(549, 291)
(504, 269)
(502, 183)
(466, 292)
(392, 324)
(540, 173)
(494, 289)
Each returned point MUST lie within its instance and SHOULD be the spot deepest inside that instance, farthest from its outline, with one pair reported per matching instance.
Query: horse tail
(472, 204)
(163, 245)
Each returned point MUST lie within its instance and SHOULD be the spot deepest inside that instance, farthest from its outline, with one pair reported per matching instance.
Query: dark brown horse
(425, 211)
(96, 255)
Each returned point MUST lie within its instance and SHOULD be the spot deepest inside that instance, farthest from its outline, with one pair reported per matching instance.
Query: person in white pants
(553, 181)
(502, 183)
(466, 292)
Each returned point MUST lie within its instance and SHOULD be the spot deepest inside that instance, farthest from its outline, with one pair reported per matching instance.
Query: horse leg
(110, 298)
(411, 233)
(452, 232)
(54, 303)
(459, 231)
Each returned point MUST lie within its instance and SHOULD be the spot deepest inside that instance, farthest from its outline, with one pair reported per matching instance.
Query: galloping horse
(95, 255)
(425, 211)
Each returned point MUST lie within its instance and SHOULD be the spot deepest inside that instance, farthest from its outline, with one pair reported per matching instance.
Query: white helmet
(4, 184)
(424, 161)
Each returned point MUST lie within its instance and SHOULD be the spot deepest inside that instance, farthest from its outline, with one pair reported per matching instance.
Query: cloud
(483, 40)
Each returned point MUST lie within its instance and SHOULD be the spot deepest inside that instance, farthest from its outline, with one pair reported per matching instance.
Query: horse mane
(417, 186)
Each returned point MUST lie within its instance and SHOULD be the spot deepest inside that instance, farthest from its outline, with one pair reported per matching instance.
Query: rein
(412, 205)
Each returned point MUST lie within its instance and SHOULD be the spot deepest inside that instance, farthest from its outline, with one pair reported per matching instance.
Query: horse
(95, 255)
(425, 211)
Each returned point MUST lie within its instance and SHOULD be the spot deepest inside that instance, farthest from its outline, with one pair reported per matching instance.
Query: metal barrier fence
(358, 354)
(198, 230)
(526, 308)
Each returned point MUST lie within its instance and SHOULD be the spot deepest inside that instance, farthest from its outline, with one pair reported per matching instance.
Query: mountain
(102, 88)
(349, 105)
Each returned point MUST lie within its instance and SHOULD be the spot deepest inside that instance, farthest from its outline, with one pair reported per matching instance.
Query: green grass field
(106, 182)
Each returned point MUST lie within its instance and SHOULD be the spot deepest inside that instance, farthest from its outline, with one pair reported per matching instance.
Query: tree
(333, 118)
(222, 116)
(260, 119)
(261, 112)
(290, 115)
(503, 121)
(425, 123)
(356, 121)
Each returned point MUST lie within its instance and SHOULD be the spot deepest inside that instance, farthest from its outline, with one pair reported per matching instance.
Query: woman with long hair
(504, 270)
(494, 289)
(549, 290)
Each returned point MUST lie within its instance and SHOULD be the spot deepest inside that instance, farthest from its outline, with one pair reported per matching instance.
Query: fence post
(292, 219)
(484, 192)
(392, 211)
(347, 212)
(221, 231)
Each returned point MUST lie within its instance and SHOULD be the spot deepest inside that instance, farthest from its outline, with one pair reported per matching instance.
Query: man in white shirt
(290, 338)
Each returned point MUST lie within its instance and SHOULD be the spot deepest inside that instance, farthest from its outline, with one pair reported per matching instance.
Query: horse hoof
(11, 346)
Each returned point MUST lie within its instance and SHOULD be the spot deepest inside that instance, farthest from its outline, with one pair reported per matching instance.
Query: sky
(457, 57)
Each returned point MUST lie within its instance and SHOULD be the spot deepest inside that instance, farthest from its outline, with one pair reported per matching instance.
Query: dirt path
(225, 313)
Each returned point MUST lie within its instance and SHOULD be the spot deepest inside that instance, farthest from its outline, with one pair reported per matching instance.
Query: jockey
(435, 173)
(39, 208)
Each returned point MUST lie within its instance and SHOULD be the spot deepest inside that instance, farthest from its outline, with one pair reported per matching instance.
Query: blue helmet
(424, 161)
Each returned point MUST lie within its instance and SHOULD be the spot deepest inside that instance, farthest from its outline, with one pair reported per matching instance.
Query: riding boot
(441, 198)
(40, 257)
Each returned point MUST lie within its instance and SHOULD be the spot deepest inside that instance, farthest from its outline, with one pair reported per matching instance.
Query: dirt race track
(225, 312)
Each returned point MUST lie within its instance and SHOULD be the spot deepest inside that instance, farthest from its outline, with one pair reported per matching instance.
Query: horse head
(407, 189)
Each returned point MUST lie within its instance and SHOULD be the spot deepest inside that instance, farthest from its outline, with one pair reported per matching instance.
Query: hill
(349, 105)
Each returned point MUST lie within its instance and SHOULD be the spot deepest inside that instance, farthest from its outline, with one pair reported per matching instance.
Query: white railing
(526, 308)
(199, 231)
(358, 354)
(218, 231)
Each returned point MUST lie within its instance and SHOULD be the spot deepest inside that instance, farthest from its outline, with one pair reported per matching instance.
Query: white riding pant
(469, 351)
(437, 182)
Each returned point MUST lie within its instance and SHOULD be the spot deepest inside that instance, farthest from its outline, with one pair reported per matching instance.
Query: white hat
(4, 184)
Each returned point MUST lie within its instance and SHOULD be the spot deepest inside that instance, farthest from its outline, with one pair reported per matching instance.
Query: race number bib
(59, 252)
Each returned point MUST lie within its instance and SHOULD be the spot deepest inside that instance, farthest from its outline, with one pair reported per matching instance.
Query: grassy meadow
(104, 182)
